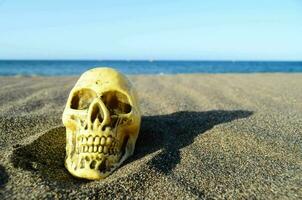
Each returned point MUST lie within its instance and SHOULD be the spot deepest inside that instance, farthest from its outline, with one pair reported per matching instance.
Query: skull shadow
(45, 156)
(174, 131)
(3, 176)
(169, 133)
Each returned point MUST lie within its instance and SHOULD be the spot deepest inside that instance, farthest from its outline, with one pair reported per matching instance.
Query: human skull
(102, 120)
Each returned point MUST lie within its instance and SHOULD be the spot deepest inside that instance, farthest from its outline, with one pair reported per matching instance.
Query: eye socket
(81, 99)
(116, 102)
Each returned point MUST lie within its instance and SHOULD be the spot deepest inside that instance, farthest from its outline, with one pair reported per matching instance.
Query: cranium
(102, 120)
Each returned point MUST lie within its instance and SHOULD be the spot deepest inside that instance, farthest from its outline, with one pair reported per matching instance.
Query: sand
(228, 136)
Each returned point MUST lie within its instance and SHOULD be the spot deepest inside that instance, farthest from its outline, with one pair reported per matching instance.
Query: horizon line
(156, 60)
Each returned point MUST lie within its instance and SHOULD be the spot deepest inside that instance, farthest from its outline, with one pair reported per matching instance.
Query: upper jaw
(92, 143)
(96, 154)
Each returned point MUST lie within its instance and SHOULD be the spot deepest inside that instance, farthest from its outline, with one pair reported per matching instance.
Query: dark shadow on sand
(172, 132)
(3, 176)
(45, 155)
(175, 131)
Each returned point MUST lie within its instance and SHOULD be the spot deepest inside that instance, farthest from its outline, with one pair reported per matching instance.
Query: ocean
(76, 67)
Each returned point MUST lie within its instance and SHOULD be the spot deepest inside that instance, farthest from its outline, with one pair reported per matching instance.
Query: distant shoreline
(77, 67)
(160, 74)
(151, 60)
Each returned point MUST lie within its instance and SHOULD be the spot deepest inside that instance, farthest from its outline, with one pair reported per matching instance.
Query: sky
(151, 29)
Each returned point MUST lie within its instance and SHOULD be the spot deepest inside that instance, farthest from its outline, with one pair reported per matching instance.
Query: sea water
(76, 67)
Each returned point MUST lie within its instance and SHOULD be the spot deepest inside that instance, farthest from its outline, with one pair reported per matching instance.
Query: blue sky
(151, 29)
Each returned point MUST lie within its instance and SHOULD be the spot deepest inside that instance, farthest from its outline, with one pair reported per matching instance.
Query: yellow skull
(102, 120)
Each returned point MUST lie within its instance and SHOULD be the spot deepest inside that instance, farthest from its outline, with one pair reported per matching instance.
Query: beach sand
(228, 136)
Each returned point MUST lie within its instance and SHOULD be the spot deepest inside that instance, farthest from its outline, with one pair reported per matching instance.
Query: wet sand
(228, 136)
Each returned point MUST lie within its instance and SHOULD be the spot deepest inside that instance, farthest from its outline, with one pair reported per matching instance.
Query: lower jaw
(90, 174)
(92, 167)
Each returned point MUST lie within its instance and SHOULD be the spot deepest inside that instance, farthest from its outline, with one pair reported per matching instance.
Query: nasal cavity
(96, 113)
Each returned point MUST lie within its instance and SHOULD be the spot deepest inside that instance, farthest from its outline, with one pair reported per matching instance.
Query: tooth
(82, 149)
(96, 140)
(105, 150)
(74, 166)
(109, 141)
(82, 165)
(90, 140)
(85, 148)
(100, 149)
(95, 148)
(90, 149)
(103, 140)
(84, 140)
